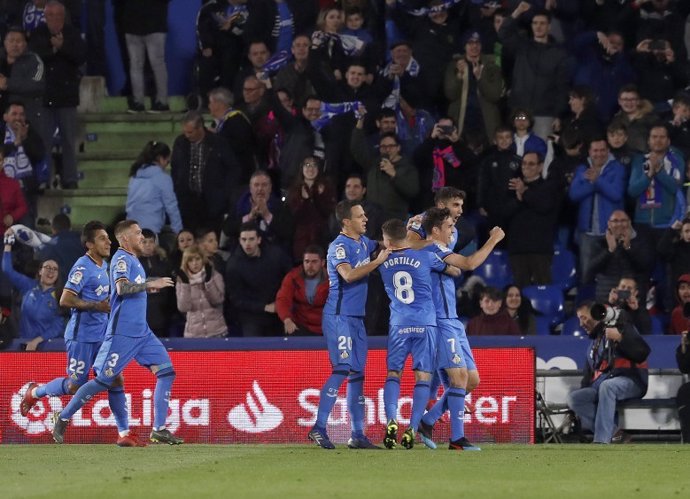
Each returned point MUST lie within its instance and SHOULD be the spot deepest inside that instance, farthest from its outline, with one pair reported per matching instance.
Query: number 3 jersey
(347, 298)
(90, 282)
(406, 276)
(127, 312)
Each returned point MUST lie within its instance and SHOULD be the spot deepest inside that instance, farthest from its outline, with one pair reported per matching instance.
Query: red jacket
(291, 301)
(11, 200)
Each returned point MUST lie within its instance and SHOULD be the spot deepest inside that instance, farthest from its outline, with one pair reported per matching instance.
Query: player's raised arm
(477, 258)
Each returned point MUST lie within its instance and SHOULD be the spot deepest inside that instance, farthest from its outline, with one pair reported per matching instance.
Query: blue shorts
(117, 351)
(346, 339)
(80, 359)
(452, 347)
(420, 341)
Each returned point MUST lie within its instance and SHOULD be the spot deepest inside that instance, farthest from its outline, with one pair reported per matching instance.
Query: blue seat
(571, 327)
(657, 325)
(547, 301)
(495, 271)
(563, 269)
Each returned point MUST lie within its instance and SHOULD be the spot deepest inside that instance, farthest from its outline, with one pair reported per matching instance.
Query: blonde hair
(321, 18)
(189, 253)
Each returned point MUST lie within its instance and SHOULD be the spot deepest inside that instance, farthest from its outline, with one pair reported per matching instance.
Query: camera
(646, 166)
(607, 316)
(657, 45)
(446, 129)
(623, 296)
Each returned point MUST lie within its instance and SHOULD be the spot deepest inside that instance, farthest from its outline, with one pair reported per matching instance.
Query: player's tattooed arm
(71, 300)
(125, 287)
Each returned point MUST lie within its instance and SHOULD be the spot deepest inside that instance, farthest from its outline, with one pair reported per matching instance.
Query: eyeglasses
(388, 146)
(48, 267)
(311, 165)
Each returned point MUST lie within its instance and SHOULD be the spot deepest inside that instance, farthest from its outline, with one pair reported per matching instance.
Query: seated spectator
(494, 319)
(65, 246)
(520, 309)
(683, 396)
(150, 195)
(253, 276)
(207, 242)
(200, 294)
(302, 294)
(626, 297)
(680, 321)
(160, 306)
(615, 370)
(41, 316)
(311, 199)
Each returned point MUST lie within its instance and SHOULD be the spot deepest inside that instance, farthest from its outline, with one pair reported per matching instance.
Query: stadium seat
(563, 270)
(657, 325)
(495, 271)
(571, 327)
(547, 301)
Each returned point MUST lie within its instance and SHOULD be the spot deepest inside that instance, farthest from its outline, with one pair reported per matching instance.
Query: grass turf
(238, 471)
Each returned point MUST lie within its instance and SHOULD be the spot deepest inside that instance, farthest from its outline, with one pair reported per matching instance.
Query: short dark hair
(88, 233)
(315, 249)
(395, 229)
(540, 156)
(491, 293)
(391, 135)
(249, 227)
(202, 232)
(386, 112)
(16, 29)
(629, 88)
(434, 217)
(61, 222)
(343, 210)
(148, 234)
(357, 176)
(447, 193)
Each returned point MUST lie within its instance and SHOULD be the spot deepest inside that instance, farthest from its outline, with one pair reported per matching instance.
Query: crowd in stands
(565, 122)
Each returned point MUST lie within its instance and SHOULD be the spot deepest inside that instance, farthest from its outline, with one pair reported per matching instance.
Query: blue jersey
(90, 282)
(443, 286)
(127, 312)
(406, 275)
(417, 228)
(347, 298)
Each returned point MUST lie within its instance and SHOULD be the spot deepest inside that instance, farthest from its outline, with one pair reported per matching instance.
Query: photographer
(625, 297)
(683, 396)
(616, 370)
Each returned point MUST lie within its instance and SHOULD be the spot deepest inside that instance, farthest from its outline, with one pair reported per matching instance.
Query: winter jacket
(292, 303)
(150, 197)
(203, 304)
(26, 82)
(492, 325)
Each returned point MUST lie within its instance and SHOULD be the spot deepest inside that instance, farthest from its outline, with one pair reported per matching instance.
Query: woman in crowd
(520, 309)
(311, 200)
(183, 240)
(150, 195)
(200, 294)
(41, 317)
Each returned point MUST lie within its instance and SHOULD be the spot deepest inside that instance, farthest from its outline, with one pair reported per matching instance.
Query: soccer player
(453, 353)
(128, 336)
(406, 275)
(86, 294)
(446, 197)
(348, 265)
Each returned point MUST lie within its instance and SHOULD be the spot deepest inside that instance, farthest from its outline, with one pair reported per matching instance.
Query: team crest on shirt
(441, 246)
(139, 279)
(102, 289)
(344, 355)
(109, 372)
(121, 266)
(76, 277)
(340, 253)
(416, 225)
(457, 359)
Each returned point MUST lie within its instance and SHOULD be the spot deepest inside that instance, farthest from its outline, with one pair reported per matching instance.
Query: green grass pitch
(648, 471)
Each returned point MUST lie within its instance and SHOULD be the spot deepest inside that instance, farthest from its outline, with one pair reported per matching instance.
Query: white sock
(123, 433)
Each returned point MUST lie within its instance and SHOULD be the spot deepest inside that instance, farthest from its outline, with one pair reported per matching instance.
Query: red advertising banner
(262, 397)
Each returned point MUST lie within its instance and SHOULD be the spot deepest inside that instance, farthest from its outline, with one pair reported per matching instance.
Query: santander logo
(258, 415)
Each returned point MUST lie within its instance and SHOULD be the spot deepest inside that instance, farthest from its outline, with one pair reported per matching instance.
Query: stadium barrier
(267, 395)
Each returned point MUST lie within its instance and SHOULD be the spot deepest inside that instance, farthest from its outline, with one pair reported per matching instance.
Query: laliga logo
(38, 419)
(261, 417)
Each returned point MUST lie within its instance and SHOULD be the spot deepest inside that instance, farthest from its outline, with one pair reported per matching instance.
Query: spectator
(678, 123)
(234, 126)
(294, 77)
(206, 241)
(582, 117)
(253, 276)
(65, 247)
(616, 370)
(311, 199)
(63, 51)
(520, 309)
(537, 203)
(204, 171)
(160, 306)
(541, 72)
(524, 140)
(680, 318)
(200, 294)
(145, 33)
(150, 195)
(41, 318)
(622, 252)
(493, 319)
(625, 296)
(265, 209)
(258, 55)
(636, 115)
(302, 294)
(617, 139)
(12, 203)
(674, 248)
(392, 179)
(183, 240)
(22, 77)
(473, 85)
(356, 190)
(660, 74)
(598, 189)
(254, 103)
(683, 396)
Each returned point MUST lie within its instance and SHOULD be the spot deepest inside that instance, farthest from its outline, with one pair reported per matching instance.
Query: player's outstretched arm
(351, 275)
(70, 300)
(477, 258)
